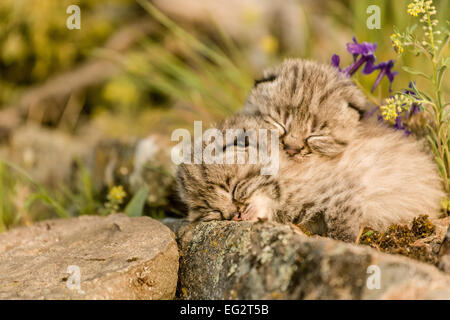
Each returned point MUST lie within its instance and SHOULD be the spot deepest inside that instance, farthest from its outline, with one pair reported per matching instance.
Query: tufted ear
(358, 102)
(361, 111)
(326, 145)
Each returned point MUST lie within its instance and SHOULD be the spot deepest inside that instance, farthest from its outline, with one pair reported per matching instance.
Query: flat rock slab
(89, 257)
(244, 260)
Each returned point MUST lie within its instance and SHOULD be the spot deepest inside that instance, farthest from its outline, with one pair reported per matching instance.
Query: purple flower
(385, 70)
(399, 125)
(364, 49)
(335, 61)
(415, 108)
(363, 53)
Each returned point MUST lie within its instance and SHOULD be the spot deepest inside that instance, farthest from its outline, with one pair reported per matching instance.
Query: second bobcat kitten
(316, 108)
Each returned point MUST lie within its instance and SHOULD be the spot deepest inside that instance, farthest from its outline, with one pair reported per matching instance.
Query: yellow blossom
(416, 7)
(269, 44)
(396, 43)
(389, 110)
(117, 193)
(395, 106)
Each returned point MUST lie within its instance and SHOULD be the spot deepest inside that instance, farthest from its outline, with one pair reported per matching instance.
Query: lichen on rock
(245, 260)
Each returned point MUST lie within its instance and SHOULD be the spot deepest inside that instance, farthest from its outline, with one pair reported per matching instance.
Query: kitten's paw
(249, 214)
(260, 209)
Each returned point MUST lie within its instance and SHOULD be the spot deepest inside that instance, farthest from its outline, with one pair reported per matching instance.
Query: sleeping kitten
(381, 178)
(315, 107)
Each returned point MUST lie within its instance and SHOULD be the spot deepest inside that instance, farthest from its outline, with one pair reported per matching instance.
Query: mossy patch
(304, 230)
(445, 207)
(404, 240)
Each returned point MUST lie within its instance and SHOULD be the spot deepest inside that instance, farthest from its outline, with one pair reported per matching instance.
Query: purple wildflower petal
(370, 65)
(364, 49)
(335, 61)
(351, 69)
(415, 108)
(399, 125)
(385, 70)
(363, 53)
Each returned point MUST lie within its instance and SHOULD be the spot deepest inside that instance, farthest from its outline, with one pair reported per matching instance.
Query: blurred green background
(82, 111)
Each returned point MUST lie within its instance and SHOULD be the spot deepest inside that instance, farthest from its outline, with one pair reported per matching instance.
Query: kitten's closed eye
(326, 145)
(268, 78)
(242, 142)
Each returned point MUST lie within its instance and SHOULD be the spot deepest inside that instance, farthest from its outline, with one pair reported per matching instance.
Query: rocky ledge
(118, 257)
(112, 257)
(242, 260)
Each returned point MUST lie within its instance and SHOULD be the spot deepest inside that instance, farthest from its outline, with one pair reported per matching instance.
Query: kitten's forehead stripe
(294, 80)
(329, 92)
(323, 125)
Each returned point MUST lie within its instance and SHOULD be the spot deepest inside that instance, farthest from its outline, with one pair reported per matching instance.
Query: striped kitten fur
(339, 171)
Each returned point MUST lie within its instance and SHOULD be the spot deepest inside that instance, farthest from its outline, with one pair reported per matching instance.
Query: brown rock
(118, 258)
(444, 263)
(244, 260)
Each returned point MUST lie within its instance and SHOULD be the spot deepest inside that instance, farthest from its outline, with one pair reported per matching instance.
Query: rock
(135, 164)
(244, 260)
(444, 263)
(116, 257)
(46, 154)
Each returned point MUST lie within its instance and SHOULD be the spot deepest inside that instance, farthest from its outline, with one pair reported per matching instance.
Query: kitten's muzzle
(292, 151)
(236, 216)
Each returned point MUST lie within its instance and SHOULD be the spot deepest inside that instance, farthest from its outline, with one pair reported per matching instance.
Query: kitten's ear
(361, 111)
(360, 104)
(194, 215)
(266, 78)
(326, 145)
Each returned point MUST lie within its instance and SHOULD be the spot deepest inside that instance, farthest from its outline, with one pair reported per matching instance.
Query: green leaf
(368, 233)
(433, 145)
(135, 207)
(415, 72)
(426, 96)
(441, 167)
(446, 62)
(440, 74)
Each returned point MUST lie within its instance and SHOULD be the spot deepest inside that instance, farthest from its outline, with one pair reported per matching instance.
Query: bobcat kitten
(315, 107)
(339, 172)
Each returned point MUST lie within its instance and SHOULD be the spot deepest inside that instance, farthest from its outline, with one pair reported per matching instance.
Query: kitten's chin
(261, 208)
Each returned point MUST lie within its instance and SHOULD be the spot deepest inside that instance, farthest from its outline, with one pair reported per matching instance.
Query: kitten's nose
(292, 151)
(236, 216)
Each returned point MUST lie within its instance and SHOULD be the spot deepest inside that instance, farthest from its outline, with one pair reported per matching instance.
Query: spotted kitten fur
(340, 171)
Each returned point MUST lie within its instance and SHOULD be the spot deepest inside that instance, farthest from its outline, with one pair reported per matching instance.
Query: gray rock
(444, 263)
(243, 260)
(117, 258)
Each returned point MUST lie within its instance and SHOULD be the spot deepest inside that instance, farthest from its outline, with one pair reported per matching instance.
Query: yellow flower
(117, 193)
(396, 43)
(269, 44)
(416, 7)
(121, 91)
(421, 6)
(389, 110)
(395, 106)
